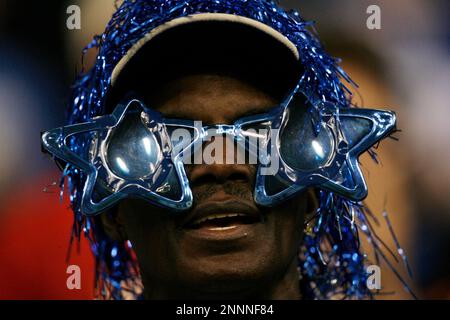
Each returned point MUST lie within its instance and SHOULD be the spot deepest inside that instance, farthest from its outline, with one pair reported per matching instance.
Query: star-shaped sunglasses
(136, 152)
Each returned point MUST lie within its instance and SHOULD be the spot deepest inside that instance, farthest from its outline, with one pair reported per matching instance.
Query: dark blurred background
(404, 66)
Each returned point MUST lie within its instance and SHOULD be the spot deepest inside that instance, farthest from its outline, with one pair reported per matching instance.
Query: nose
(222, 171)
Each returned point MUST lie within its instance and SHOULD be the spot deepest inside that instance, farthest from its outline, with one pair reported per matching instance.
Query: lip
(230, 206)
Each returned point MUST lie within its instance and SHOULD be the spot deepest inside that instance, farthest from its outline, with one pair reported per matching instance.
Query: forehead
(209, 97)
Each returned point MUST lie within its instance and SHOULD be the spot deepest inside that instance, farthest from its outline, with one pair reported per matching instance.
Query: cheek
(146, 228)
(289, 219)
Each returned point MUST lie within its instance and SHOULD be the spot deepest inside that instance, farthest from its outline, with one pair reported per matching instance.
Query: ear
(113, 225)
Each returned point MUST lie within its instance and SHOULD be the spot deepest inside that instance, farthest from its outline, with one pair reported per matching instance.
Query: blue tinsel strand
(330, 261)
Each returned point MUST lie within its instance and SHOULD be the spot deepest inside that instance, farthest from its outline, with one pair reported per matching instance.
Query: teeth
(222, 229)
(218, 216)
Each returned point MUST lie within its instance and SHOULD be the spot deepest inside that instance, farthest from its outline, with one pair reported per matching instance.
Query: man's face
(225, 245)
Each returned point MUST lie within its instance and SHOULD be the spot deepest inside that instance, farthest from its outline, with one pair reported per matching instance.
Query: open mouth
(223, 221)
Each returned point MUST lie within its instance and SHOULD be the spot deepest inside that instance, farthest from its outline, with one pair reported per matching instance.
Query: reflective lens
(133, 151)
(302, 148)
(274, 184)
(355, 129)
(170, 189)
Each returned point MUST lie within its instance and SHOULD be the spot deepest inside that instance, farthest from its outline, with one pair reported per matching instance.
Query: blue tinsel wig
(330, 261)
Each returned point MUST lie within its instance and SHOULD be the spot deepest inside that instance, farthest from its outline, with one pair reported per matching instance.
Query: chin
(229, 273)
